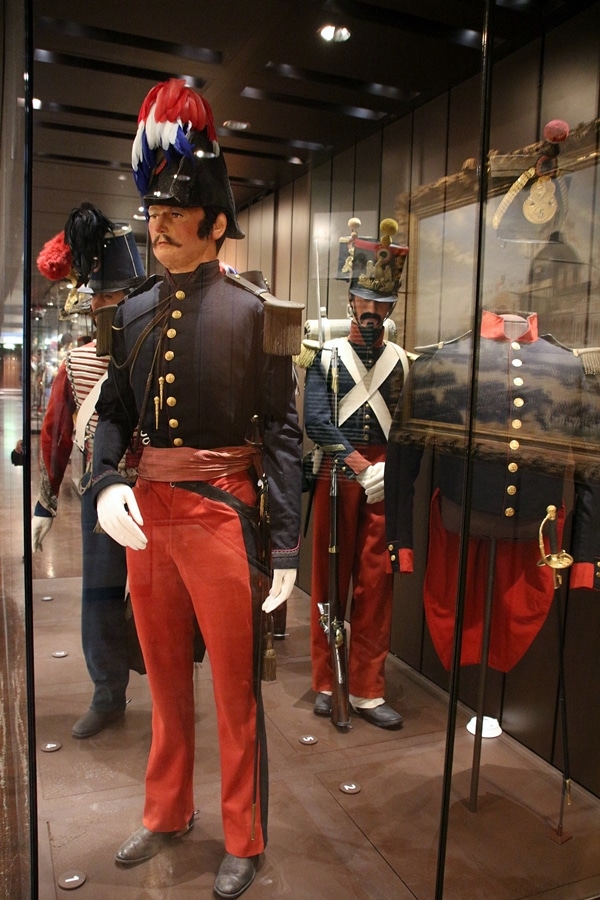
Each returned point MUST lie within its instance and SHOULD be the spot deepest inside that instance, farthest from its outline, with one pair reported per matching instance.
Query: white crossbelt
(366, 382)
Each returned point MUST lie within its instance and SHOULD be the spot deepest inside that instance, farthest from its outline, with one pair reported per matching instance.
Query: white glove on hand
(371, 480)
(283, 584)
(119, 523)
(40, 526)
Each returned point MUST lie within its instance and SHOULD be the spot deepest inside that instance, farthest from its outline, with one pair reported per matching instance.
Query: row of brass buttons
(516, 424)
(170, 377)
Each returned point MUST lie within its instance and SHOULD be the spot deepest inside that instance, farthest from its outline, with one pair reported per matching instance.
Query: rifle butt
(340, 705)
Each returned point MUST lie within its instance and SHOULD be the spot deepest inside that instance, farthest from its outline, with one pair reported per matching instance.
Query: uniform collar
(492, 327)
(204, 272)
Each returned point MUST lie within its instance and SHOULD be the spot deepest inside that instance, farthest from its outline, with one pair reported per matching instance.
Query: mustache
(166, 239)
(368, 317)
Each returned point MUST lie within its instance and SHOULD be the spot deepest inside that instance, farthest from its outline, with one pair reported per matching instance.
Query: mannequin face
(111, 298)
(174, 235)
(370, 313)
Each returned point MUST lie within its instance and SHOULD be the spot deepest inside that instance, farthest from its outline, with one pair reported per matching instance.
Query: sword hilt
(556, 559)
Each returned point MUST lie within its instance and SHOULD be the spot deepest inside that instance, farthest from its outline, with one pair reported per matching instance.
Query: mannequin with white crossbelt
(371, 373)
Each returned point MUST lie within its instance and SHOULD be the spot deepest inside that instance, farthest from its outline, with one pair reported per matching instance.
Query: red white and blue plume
(169, 113)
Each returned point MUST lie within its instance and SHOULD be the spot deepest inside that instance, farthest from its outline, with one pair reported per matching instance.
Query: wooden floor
(380, 841)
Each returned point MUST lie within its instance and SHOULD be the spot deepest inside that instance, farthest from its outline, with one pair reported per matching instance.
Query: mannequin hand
(40, 526)
(119, 523)
(372, 481)
(283, 584)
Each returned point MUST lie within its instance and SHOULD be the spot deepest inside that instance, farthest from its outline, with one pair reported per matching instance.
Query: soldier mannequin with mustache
(371, 374)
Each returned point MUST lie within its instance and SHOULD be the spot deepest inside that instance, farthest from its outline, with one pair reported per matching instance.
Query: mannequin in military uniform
(105, 259)
(189, 375)
(371, 373)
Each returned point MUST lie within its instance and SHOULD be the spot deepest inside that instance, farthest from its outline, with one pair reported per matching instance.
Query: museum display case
(493, 187)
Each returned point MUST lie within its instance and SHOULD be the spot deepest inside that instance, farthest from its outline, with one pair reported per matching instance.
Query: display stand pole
(558, 835)
(483, 666)
(558, 560)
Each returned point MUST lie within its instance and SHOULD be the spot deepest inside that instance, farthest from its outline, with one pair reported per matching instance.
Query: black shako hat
(105, 259)
(105, 254)
(176, 158)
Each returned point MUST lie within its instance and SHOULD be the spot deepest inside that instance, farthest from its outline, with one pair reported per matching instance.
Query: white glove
(371, 480)
(119, 523)
(40, 526)
(283, 584)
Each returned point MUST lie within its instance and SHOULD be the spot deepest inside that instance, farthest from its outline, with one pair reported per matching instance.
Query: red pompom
(556, 131)
(55, 260)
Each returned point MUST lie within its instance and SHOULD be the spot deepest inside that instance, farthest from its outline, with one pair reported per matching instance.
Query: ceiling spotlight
(295, 161)
(235, 125)
(331, 33)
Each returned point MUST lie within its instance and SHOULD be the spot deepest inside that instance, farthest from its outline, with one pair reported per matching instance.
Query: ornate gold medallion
(541, 204)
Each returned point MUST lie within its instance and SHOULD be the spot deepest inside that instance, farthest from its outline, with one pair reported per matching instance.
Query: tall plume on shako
(170, 112)
(86, 231)
(176, 157)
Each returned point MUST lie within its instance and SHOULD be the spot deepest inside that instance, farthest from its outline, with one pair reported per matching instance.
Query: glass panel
(505, 397)
(17, 749)
(470, 271)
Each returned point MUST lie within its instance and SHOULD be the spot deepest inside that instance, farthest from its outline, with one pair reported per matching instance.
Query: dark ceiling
(258, 61)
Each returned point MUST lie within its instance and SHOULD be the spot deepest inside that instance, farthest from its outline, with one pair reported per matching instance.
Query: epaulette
(589, 356)
(283, 318)
(308, 354)
(556, 343)
(590, 359)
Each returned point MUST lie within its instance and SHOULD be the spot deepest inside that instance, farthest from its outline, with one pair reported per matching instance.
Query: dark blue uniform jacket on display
(216, 378)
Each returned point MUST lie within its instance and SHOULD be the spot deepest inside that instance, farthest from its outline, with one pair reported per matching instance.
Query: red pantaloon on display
(364, 562)
(196, 564)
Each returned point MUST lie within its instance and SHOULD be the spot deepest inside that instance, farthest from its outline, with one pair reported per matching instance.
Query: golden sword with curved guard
(557, 560)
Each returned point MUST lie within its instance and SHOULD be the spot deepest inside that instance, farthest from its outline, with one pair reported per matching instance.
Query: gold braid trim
(510, 195)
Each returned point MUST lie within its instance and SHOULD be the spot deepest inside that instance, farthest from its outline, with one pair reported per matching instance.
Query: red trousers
(522, 595)
(364, 562)
(196, 564)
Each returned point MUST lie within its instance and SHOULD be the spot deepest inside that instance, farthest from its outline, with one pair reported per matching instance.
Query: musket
(264, 663)
(317, 458)
(557, 560)
(331, 618)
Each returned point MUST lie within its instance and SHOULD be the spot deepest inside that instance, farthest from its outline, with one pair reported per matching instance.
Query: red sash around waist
(187, 464)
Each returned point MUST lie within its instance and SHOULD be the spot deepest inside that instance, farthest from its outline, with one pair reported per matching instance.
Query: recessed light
(335, 33)
(235, 125)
